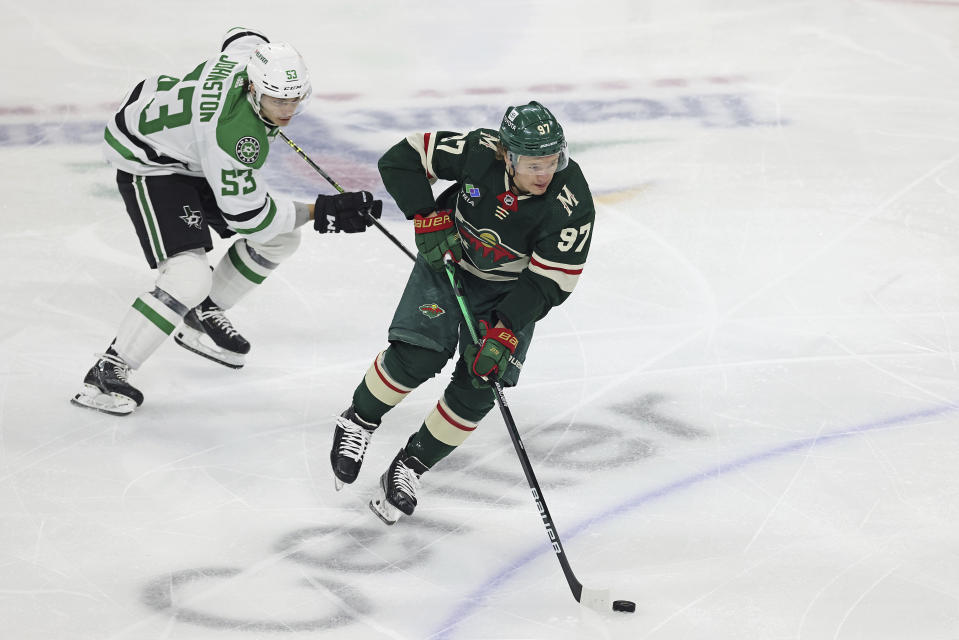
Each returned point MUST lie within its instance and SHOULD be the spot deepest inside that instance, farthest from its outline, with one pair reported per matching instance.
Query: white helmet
(277, 69)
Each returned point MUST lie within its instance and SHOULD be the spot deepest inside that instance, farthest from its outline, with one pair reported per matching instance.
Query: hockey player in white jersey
(187, 151)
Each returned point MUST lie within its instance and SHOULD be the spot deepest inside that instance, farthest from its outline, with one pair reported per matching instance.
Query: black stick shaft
(551, 531)
(320, 171)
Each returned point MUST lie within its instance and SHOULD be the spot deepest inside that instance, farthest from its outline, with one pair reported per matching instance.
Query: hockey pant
(426, 332)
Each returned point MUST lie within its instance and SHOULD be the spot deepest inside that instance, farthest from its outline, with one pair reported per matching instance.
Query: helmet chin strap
(257, 109)
(512, 183)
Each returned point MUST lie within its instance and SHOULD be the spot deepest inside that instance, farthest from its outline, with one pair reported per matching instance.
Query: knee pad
(278, 248)
(411, 365)
(186, 277)
(467, 400)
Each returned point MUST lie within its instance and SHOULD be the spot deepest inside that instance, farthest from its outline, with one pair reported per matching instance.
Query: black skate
(105, 387)
(208, 332)
(350, 440)
(396, 492)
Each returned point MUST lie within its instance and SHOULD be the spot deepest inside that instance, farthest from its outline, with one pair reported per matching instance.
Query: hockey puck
(627, 606)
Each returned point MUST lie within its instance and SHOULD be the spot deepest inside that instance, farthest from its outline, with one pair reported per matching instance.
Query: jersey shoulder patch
(484, 138)
(570, 192)
(240, 133)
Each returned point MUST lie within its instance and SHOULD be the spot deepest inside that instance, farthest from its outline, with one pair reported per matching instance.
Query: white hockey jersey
(202, 124)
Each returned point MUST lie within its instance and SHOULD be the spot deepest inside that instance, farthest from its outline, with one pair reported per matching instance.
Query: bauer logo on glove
(436, 223)
(436, 235)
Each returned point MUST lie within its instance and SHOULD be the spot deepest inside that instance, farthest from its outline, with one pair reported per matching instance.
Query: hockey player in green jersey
(188, 151)
(518, 219)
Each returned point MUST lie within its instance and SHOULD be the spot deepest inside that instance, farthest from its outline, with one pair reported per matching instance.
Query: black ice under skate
(105, 387)
(208, 332)
(351, 437)
(396, 492)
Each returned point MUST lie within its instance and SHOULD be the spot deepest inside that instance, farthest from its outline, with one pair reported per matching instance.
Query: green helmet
(532, 130)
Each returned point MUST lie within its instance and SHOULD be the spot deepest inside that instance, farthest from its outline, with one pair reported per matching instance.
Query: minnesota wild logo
(432, 310)
(486, 248)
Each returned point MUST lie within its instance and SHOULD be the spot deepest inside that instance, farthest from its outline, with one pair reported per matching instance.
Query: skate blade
(382, 508)
(111, 403)
(385, 511)
(337, 484)
(191, 340)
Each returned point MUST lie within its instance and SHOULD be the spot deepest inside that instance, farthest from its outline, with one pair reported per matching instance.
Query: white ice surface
(745, 418)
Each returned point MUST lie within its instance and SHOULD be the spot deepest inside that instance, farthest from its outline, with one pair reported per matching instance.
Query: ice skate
(105, 387)
(396, 493)
(208, 332)
(350, 440)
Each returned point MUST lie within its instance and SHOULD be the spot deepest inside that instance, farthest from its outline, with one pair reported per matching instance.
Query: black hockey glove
(348, 212)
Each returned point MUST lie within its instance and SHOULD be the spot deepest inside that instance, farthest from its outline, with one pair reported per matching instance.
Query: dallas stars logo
(432, 310)
(191, 218)
(248, 150)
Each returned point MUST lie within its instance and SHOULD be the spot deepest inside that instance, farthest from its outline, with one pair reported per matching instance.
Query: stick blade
(596, 599)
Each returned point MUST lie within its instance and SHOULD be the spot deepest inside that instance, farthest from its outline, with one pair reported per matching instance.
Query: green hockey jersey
(535, 245)
(201, 124)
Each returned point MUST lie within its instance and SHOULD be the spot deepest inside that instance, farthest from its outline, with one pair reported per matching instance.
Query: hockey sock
(183, 280)
(382, 389)
(442, 431)
(239, 271)
(247, 264)
(146, 325)
(452, 420)
(426, 448)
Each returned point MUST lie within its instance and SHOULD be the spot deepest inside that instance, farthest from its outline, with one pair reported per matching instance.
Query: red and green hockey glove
(435, 235)
(495, 348)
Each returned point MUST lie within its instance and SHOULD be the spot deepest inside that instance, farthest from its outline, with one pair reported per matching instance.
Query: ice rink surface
(745, 418)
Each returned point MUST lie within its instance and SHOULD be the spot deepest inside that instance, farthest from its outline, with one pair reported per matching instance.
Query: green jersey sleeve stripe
(266, 221)
(119, 148)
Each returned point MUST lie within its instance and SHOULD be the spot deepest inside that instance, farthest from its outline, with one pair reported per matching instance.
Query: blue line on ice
(478, 597)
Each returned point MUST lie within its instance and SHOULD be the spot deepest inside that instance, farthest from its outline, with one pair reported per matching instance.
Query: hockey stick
(320, 171)
(596, 599)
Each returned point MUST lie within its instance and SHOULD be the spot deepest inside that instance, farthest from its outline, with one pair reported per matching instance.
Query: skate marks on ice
(481, 596)
(329, 576)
